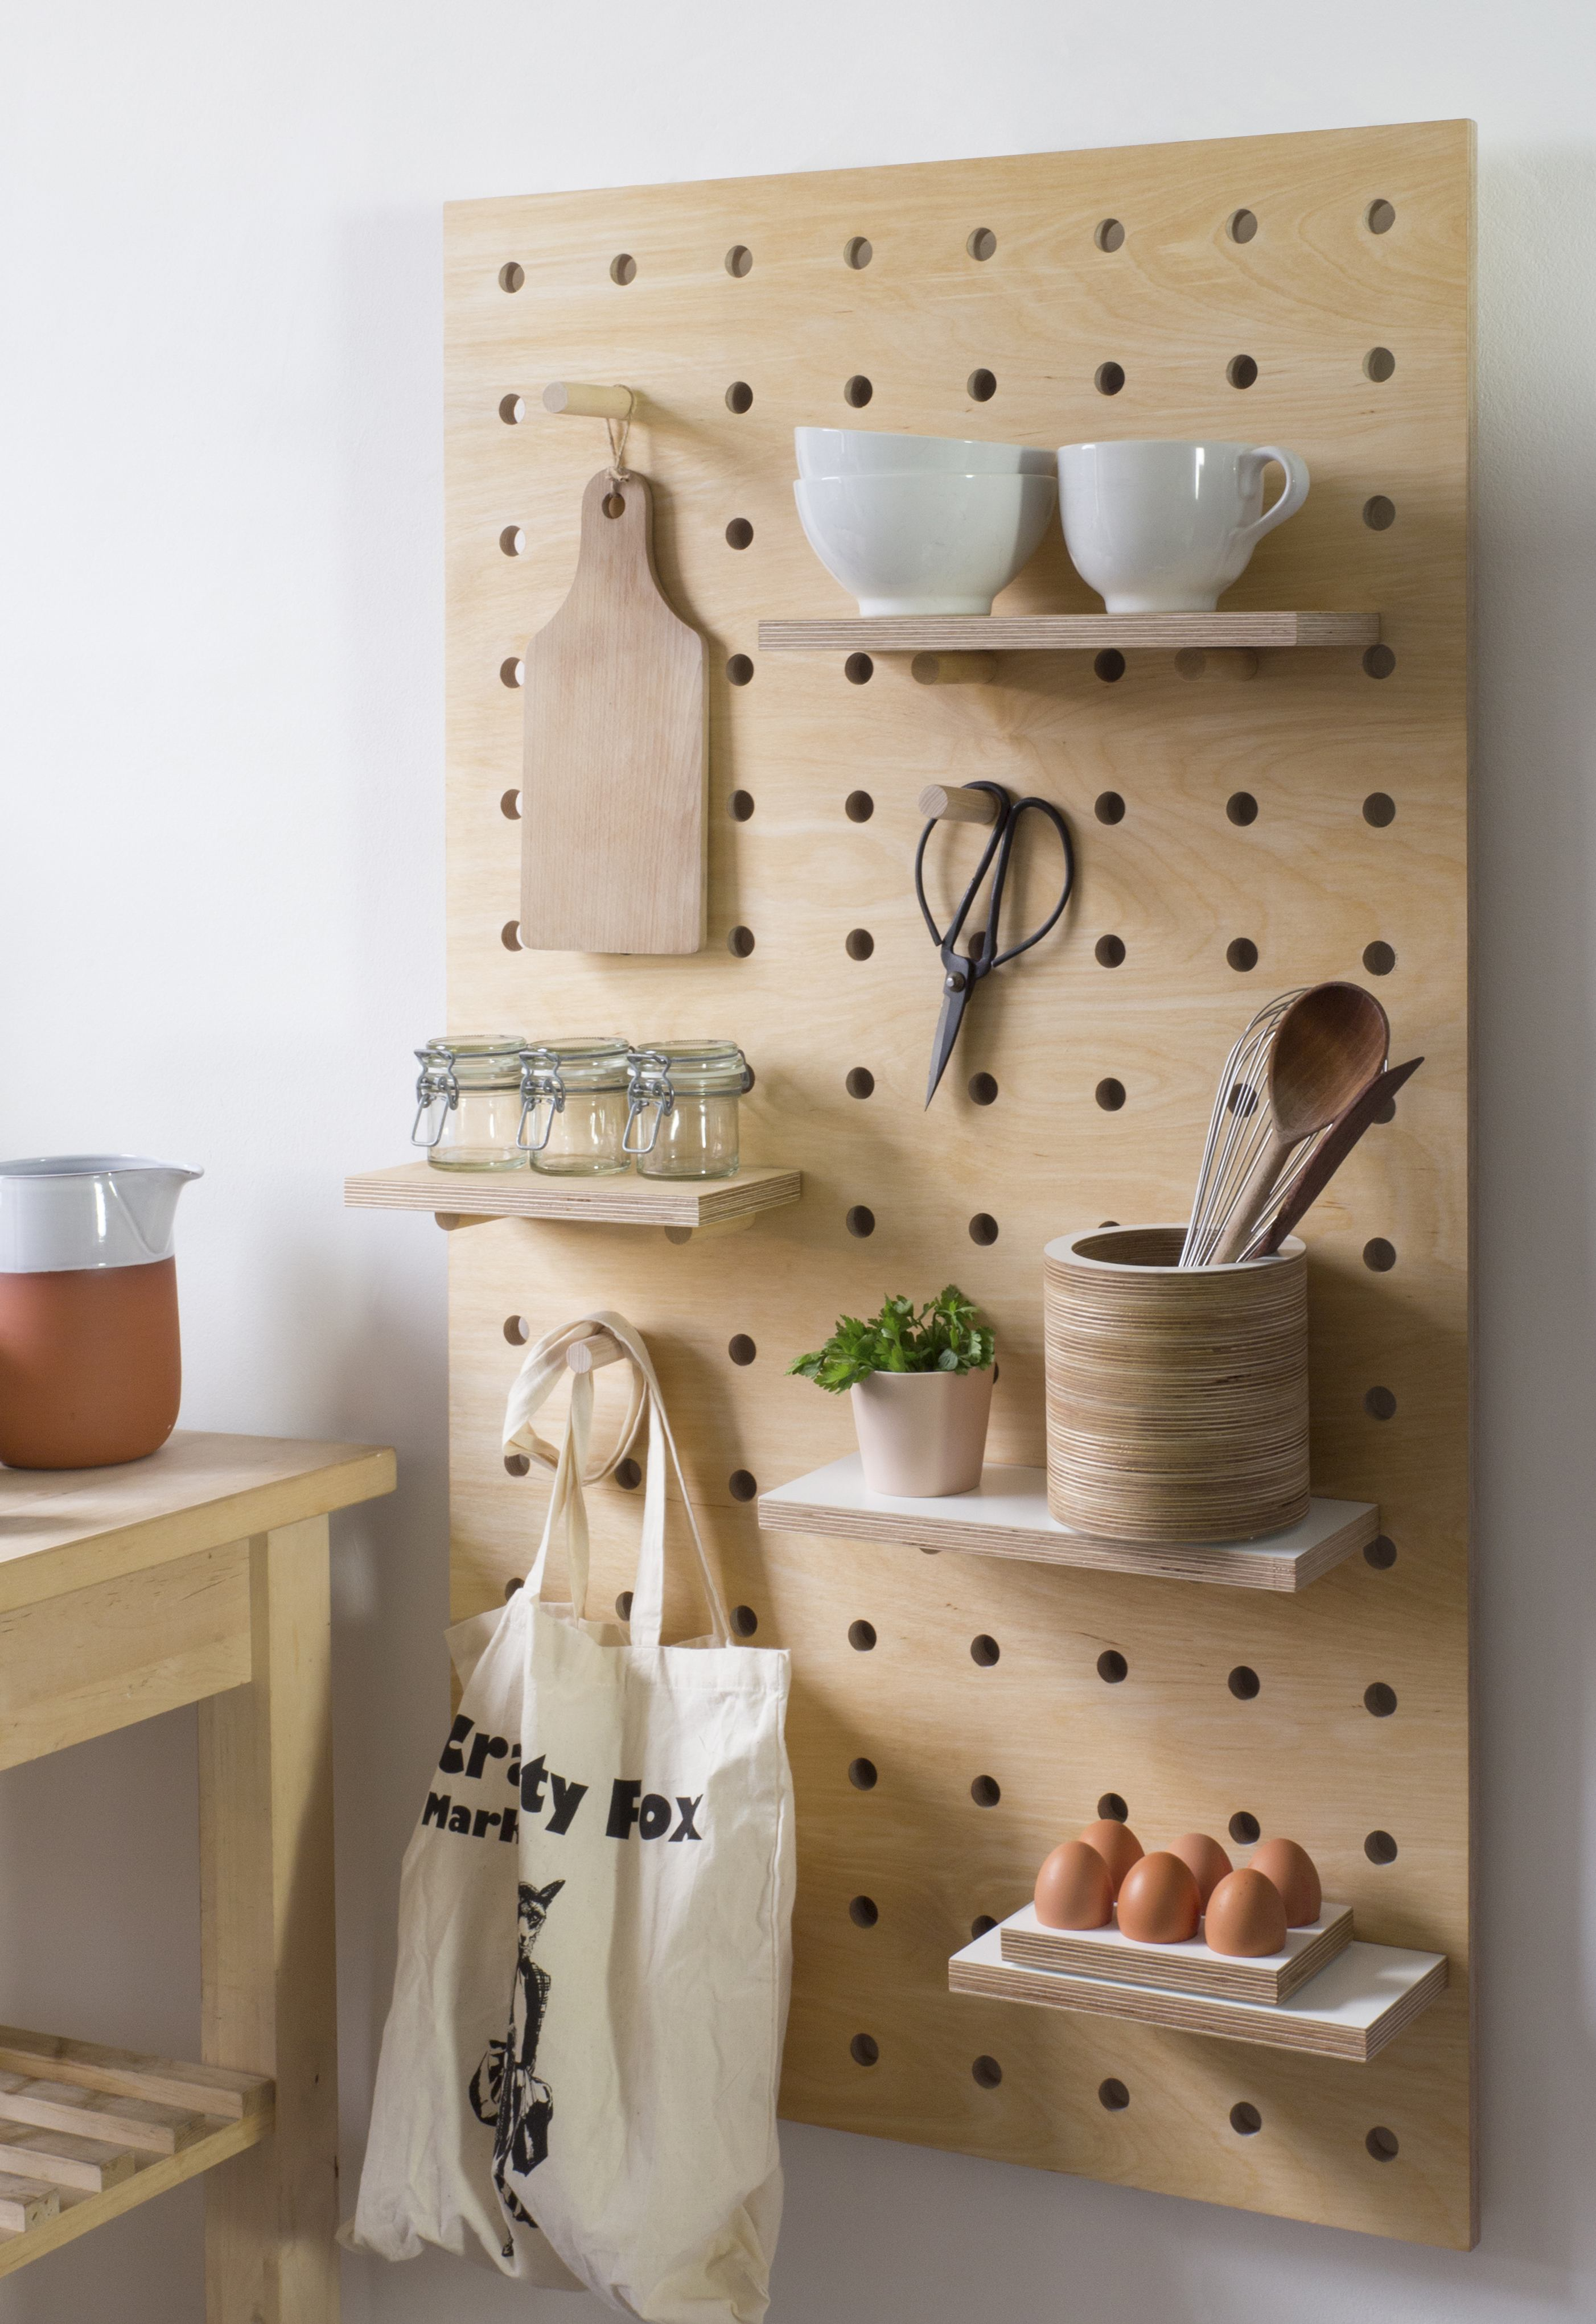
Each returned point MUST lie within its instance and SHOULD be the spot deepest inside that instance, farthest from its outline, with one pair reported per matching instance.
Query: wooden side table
(199, 1575)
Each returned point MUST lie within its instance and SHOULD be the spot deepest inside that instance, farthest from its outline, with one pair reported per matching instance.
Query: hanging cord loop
(619, 474)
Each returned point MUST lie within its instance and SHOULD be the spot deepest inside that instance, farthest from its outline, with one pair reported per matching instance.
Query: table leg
(267, 1943)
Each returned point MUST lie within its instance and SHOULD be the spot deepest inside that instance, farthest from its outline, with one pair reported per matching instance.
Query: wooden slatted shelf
(1066, 632)
(1008, 1517)
(86, 2132)
(624, 1200)
(1352, 2009)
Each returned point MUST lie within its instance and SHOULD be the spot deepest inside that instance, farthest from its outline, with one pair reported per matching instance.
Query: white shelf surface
(1064, 632)
(1007, 1515)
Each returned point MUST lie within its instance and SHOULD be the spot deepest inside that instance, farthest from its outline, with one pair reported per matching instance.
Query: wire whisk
(1238, 1133)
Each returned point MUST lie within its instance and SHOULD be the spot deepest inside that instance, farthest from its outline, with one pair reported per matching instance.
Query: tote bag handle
(544, 1366)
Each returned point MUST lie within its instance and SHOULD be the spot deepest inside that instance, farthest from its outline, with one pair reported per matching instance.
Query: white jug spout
(148, 1193)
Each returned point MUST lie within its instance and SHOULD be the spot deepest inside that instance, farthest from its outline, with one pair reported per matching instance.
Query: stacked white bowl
(921, 524)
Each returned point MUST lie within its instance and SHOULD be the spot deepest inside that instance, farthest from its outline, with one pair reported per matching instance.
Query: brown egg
(1117, 1845)
(1073, 1890)
(1159, 1901)
(1295, 1874)
(1207, 1859)
(1245, 1916)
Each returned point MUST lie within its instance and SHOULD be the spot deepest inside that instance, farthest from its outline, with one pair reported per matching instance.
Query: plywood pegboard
(1311, 881)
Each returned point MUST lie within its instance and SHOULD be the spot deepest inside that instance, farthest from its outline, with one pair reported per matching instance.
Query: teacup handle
(1290, 499)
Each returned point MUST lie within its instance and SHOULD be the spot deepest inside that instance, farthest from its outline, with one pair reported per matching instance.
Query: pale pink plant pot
(922, 1434)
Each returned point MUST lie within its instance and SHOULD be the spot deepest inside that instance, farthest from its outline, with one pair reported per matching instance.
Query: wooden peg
(580, 401)
(451, 1222)
(954, 668)
(736, 1225)
(1230, 663)
(959, 805)
(591, 1354)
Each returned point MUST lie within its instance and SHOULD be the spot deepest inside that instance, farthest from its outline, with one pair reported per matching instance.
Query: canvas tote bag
(592, 2082)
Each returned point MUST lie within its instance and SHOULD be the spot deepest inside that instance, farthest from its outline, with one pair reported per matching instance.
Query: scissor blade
(947, 1032)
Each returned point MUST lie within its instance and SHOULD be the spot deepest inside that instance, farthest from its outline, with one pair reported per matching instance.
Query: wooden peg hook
(958, 804)
(579, 401)
(589, 1355)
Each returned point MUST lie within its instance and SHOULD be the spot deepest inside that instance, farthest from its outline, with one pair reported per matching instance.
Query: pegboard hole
(986, 1791)
(864, 1911)
(864, 2049)
(1246, 2120)
(1380, 217)
(740, 807)
(862, 1774)
(1240, 225)
(1109, 665)
(739, 396)
(1108, 806)
(1379, 1700)
(984, 1228)
(516, 1464)
(1383, 2145)
(628, 1475)
(1241, 954)
(1240, 370)
(739, 260)
(1111, 1809)
(511, 409)
(740, 942)
(509, 936)
(1378, 959)
(517, 1331)
(1244, 1828)
(982, 386)
(1385, 1111)
(1109, 234)
(516, 1581)
(859, 943)
(741, 1349)
(987, 2072)
(1378, 662)
(981, 244)
(739, 533)
(857, 254)
(1380, 1256)
(1244, 1683)
(981, 1923)
(613, 505)
(859, 806)
(1113, 2095)
(509, 670)
(744, 1621)
(623, 268)
(742, 1485)
(859, 669)
(1380, 1552)
(512, 275)
(862, 1636)
(1112, 1668)
(1241, 808)
(1109, 378)
(1379, 808)
(623, 1605)
(1378, 364)
(509, 806)
(512, 540)
(1109, 1095)
(859, 1082)
(1380, 1404)
(740, 669)
(1241, 1100)
(859, 1221)
(1380, 1847)
(1379, 514)
(984, 1089)
(984, 1651)
(857, 391)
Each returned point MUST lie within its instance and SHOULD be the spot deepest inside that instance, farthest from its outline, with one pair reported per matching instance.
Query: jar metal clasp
(540, 1083)
(434, 1085)
(650, 1085)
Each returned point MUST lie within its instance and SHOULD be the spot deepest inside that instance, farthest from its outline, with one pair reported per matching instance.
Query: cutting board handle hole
(613, 505)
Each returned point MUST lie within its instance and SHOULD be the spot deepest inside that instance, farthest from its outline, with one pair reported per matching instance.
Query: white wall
(221, 931)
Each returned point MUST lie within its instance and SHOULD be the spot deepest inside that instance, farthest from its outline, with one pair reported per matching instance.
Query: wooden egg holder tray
(954, 1715)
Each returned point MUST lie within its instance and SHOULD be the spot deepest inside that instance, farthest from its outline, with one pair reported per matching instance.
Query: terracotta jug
(90, 1372)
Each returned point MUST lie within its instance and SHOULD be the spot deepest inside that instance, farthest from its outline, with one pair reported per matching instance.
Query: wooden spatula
(612, 803)
(1343, 1136)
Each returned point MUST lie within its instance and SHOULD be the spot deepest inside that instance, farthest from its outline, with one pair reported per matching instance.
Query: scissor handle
(1011, 825)
(1000, 824)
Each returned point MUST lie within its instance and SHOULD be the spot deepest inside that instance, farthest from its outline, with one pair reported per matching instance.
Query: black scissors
(963, 971)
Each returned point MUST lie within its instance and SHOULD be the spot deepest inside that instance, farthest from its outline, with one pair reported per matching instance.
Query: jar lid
(597, 1064)
(691, 1064)
(476, 1045)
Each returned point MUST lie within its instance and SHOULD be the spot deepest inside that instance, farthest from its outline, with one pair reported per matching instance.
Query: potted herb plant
(920, 1381)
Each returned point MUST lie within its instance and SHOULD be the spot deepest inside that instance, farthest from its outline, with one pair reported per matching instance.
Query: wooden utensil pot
(1178, 1399)
(90, 1369)
(922, 1434)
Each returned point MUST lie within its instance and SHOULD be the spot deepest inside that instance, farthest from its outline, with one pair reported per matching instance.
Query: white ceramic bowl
(925, 544)
(869, 452)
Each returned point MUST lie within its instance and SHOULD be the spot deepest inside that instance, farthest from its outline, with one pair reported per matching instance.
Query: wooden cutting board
(613, 790)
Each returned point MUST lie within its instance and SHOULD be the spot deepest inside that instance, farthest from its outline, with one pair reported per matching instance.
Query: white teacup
(1163, 528)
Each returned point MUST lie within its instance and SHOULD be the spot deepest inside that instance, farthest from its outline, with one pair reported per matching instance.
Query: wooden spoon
(1328, 1047)
(1328, 1158)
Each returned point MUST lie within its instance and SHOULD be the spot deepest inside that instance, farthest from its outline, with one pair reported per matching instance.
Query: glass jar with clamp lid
(468, 1101)
(573, 1107)
(681, 1108)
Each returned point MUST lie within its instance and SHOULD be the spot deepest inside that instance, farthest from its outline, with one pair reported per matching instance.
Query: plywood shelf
(625, 1200)
(1352, 2010)
(1188, 1967)
(1066, 633)
(87, 2133)
(1008, 1517)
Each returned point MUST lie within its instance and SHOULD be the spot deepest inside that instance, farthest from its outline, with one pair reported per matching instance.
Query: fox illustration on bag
(505, 2091)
